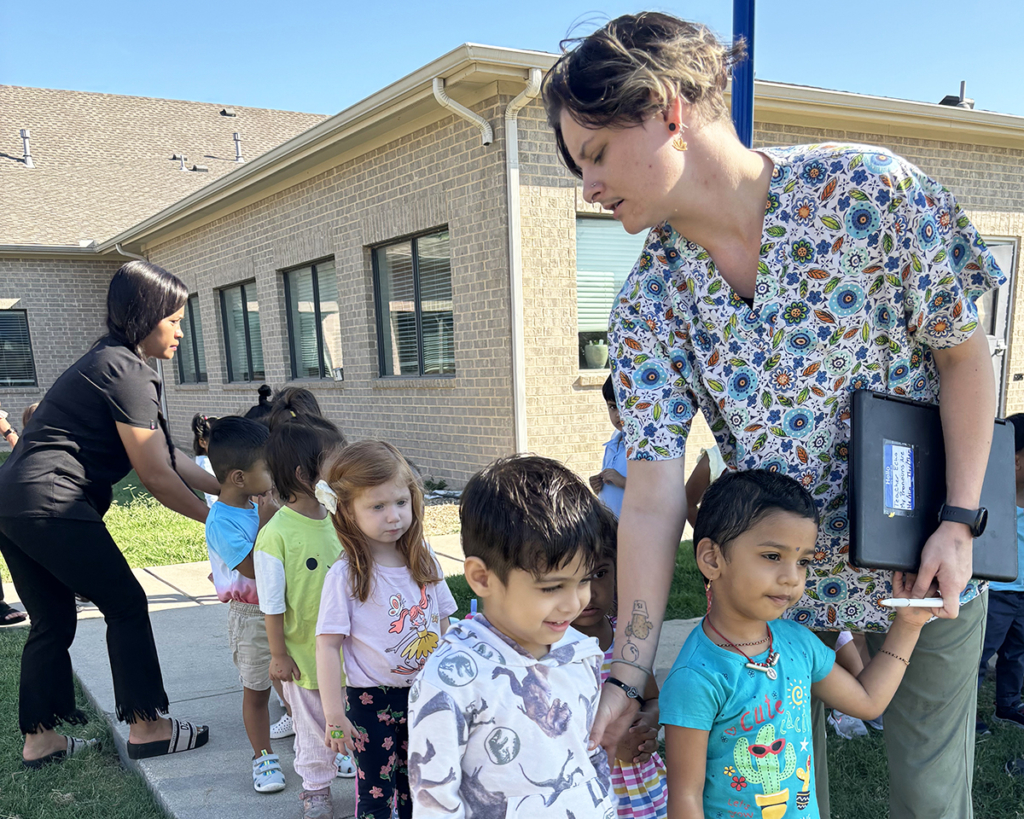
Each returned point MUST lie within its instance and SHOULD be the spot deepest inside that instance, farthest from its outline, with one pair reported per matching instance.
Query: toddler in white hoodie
(500, 716)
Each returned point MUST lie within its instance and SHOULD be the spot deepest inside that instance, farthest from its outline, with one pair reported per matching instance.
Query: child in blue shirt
(610, 482)
(236, 455)
(1004, 632)
(736, 704)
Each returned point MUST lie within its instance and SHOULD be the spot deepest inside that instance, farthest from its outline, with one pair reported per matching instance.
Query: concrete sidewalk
(190, 626)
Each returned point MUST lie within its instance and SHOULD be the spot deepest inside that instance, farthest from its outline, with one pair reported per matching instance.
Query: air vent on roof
(200, 168)
(958, 102)
(228, 112)
(238, 146)
(28, 151)
(181, 158)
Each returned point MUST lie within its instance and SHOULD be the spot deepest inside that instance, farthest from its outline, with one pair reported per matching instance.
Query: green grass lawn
(90, 786)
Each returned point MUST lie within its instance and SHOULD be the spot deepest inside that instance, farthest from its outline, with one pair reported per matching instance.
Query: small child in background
(385, 602)
(200, 443)
(500, 716)
(710, 467)
(1004, 632)
(236, 454)
(638, 773)
(293, 553)
(610, 482)
(736, 705)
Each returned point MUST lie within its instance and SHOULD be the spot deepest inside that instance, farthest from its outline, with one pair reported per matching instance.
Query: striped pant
(314, 761)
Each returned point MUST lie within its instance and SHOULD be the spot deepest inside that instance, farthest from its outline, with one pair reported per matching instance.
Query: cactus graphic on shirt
(759, 762)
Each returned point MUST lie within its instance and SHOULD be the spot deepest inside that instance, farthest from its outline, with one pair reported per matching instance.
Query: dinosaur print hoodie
(496, 733)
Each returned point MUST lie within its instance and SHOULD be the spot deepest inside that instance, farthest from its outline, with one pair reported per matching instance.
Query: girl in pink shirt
(385, 603)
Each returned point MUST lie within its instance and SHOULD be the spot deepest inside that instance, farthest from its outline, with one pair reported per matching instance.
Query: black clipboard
(898, 482)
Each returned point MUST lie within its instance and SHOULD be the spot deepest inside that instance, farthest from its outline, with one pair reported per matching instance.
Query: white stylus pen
(913, 602)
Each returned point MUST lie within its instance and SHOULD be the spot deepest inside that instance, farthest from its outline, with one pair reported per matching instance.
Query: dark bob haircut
(738, 501)
(141, 295)
(608, 391)
(235, 443)
(529, 513)
(303, 444)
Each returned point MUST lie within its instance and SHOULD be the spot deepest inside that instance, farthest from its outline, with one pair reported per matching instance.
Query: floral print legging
(382, 745)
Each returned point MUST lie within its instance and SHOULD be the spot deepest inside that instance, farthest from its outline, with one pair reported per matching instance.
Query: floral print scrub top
(866, 264)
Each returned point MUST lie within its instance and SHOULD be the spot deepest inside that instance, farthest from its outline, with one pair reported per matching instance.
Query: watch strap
(974, 519)
(630, 690)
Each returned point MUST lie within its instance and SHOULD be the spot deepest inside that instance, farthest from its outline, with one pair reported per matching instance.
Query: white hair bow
(327, 496)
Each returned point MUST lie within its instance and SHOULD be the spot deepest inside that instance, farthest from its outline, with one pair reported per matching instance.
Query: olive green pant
(929, 726)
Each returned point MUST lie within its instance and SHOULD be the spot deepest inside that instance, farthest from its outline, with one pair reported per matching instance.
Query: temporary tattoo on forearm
(638, 629)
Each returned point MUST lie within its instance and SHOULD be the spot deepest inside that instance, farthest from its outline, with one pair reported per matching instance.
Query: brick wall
(66, 304)
(436, 176)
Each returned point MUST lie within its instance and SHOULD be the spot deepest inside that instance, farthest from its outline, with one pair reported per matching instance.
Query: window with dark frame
(17, 365)
(314, 321)
(191, 355)
(243, 346)
(413, 295)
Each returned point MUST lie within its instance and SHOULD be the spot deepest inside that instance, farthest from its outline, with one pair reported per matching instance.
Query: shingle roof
(103, 162)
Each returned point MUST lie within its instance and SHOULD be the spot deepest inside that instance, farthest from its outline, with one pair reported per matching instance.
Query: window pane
(235, 333)
(184, 357)
(605, 255)
(303, 323)
(434, 259)
(17, 369)
(253, 307)
(398, 310)
(194, 301)
(330, 320)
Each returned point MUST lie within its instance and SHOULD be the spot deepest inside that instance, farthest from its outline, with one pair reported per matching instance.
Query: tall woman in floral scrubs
(772, 284)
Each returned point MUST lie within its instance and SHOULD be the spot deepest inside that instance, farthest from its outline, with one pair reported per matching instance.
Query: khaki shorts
(250, 648)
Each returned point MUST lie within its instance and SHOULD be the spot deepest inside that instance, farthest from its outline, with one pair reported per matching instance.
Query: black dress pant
(51, 560)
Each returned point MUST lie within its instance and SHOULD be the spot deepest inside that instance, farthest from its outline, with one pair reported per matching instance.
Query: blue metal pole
(743, 74)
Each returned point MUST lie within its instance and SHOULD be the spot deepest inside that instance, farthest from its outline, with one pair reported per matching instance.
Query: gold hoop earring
(679, 143)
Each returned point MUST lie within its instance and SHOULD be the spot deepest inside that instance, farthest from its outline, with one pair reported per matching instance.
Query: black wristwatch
(975, 519)
(631, 692)
(10, 431)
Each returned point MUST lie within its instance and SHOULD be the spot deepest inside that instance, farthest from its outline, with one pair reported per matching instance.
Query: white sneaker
(267, 776)
(284, 727)
(346, 767)
(846, 726)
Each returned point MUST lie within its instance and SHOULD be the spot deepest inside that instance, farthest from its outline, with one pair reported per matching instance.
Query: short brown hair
(632, 68)
(530, 513)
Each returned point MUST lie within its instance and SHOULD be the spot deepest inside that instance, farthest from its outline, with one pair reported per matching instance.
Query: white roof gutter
(486, 133)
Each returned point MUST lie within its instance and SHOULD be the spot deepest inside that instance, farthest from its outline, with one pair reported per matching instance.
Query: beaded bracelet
(897, 656)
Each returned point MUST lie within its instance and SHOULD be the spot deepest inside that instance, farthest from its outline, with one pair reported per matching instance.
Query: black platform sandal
(184, 737)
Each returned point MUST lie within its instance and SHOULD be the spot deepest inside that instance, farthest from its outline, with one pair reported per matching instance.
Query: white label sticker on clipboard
(898, 481)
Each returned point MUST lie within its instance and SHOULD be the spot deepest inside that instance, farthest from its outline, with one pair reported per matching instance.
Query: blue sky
(324, 56)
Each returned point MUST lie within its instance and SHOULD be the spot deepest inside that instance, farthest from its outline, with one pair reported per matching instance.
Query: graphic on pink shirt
(419, 642)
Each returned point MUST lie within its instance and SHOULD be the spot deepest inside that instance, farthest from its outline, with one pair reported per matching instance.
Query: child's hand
(612, 477)
(596, 483)
(284, 669)
(339, 735)
(640, 741)
(903, 586)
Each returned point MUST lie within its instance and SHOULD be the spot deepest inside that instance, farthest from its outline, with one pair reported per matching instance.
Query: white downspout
(515, 259)
(159, 363)
(463, 111)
